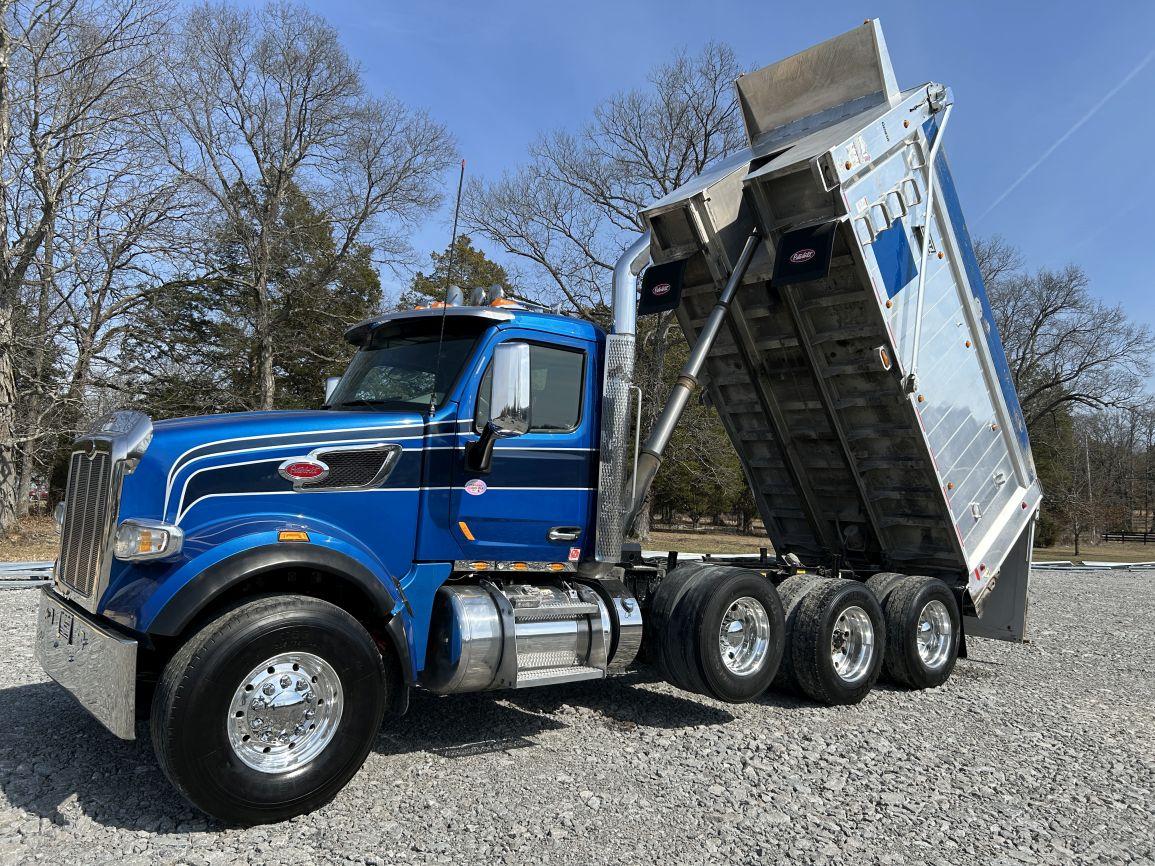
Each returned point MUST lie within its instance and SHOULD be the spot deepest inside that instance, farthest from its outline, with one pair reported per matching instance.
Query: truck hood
(183, 449)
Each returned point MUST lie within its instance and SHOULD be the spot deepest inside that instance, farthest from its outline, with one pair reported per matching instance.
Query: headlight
(147, 539)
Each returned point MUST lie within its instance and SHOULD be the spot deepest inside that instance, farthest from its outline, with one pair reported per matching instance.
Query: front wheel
(270, 709)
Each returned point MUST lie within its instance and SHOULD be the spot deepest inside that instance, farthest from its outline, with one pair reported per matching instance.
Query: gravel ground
(1030, 754)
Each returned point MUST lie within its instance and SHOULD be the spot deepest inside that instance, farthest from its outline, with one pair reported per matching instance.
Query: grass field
(33, 540)
(36, 539)
(706, 541)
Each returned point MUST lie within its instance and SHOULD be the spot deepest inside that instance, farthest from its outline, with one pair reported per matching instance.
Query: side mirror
(509, 402)
(331, 383)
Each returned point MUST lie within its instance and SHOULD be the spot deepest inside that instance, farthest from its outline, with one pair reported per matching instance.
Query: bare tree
(566, 211)
(571, 209)
(1066, 348)
(69, 72)
(264, 103)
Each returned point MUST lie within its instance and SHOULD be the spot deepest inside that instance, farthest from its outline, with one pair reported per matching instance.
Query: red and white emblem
(802, 256)
(302, 469)
(660, 289)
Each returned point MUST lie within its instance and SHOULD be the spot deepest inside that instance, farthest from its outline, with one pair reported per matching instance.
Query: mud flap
(1003, 615)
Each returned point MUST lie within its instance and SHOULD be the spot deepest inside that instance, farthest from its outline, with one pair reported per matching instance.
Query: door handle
(565, 533)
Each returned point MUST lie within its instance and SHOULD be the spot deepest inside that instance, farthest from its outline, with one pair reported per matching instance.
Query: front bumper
(95, 664)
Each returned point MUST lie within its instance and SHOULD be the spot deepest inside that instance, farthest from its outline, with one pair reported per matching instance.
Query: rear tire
(727, 634)
(838, 642)
(883, 584)
(657, 636)
(320, 684)
(922, 632)
(791, 592)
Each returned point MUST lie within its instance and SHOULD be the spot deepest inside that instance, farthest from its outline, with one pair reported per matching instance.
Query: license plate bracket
(64, 623)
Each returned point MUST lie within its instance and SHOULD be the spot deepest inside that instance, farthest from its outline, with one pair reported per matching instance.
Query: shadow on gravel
(458, 726)
(57, 762)
(618, 700)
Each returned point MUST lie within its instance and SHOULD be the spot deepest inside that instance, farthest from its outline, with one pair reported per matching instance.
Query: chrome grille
(87, 502)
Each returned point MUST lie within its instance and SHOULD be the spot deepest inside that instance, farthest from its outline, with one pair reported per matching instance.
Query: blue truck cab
(265, 587)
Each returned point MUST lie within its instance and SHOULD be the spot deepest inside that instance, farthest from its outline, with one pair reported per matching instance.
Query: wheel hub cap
(852, 644)
(934, 634)
(285, 712)
(744, 636)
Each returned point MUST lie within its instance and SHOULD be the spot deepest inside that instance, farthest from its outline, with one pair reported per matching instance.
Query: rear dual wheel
(923, 629)
(718, 631)
(835, 639)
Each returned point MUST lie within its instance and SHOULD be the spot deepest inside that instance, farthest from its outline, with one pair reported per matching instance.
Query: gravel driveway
(1029, 754)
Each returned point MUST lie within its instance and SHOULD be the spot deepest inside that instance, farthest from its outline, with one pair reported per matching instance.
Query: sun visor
(804, 254)
(662, 287)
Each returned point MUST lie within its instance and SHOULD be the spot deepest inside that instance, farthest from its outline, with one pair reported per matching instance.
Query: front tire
(269, 710)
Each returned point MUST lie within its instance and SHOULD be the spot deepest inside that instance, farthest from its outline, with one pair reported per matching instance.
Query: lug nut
(256, 723)
(302, 685)
(286, 681)
(269, 688)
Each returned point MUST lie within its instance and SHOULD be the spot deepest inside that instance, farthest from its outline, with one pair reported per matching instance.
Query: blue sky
(1024, 75)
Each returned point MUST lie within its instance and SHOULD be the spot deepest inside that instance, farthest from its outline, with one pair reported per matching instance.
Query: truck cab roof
(550, 323)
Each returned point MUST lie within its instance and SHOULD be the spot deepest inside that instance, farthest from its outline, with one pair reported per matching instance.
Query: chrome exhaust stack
(617, 383)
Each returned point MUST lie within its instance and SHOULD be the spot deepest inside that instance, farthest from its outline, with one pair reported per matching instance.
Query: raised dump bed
(861, 448)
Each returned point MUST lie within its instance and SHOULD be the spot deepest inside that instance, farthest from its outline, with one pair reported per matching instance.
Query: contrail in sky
(1074, 128)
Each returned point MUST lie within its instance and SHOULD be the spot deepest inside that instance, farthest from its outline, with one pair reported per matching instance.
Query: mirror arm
(479, 454)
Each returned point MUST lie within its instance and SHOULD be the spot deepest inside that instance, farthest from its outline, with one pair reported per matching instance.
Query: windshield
(400, 369)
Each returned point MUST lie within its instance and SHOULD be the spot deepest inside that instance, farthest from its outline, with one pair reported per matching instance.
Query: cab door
(535, 502)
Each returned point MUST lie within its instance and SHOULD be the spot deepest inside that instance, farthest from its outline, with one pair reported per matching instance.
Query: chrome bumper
(95, 664)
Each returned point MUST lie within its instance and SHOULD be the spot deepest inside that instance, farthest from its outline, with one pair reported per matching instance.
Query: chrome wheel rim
(852, 644)
(285, 712)
(934, 634)
(744, 636)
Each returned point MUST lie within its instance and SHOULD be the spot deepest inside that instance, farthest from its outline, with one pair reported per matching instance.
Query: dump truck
(267, 587)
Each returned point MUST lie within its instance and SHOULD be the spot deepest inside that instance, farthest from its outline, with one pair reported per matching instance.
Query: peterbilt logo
(302, 469)
(660, 289)
(802, 256)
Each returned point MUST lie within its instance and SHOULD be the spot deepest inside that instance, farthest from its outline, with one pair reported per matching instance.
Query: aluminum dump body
(846, 463)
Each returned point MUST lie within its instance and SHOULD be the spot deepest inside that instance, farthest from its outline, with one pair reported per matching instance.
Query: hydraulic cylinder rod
(651, 456)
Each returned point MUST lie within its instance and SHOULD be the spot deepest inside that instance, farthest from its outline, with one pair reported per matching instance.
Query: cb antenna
(448, 282)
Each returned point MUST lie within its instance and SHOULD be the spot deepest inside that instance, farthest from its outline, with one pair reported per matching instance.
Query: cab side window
(555, 398)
